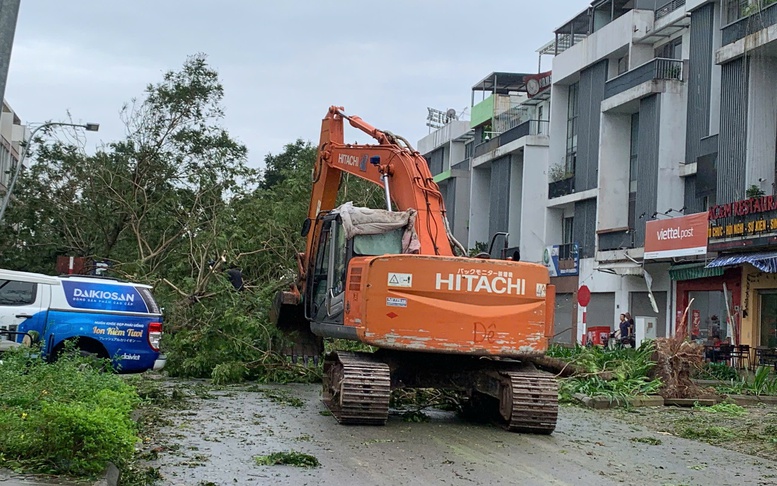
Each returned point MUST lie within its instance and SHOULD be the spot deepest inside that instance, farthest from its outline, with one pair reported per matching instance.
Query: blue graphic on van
(102, 296)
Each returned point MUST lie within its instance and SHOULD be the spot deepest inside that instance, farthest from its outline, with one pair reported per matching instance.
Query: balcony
(670, 7)
(616, 240)
(561, 188)
(751, 23)
(658, 68)
(529, 127)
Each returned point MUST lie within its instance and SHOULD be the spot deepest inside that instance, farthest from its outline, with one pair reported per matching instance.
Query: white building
(12, 132)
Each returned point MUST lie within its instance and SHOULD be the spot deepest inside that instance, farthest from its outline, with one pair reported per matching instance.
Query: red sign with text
(675, 237)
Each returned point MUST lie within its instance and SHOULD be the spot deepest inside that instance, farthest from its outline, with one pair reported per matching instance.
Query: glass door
(768, 322)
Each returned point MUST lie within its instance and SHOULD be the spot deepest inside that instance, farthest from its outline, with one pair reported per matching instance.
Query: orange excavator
(397, 279)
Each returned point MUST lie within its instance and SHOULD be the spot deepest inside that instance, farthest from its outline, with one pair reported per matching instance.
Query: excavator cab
(326, 284)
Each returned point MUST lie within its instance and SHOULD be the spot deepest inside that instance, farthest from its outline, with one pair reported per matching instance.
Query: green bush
(66, 417)
(717, 371)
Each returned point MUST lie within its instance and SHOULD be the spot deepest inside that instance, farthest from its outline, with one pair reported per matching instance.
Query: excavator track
(357, 388)
(528, 402)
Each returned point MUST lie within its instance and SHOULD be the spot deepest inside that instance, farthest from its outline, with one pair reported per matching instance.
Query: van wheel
(87, 348)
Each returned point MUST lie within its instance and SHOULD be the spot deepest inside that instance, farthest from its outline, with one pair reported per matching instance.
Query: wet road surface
(216, 441)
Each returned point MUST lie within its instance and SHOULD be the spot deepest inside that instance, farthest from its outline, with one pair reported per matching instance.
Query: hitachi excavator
(397, 279)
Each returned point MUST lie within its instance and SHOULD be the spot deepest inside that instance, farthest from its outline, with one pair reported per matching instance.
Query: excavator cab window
(328, 280)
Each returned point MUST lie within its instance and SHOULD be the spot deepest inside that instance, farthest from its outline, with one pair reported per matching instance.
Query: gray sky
(282, 64)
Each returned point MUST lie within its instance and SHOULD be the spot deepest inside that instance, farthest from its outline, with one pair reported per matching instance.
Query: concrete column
(9, 11)
(614, 161)
(535, 197)
(515, 212)
(480, 206)
(671, 147)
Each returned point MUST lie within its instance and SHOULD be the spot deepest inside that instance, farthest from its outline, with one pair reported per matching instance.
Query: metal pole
(23, 155)
(9, 12)
(386, 189)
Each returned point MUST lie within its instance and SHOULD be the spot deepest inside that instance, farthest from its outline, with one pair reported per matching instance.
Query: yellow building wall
(753, 280)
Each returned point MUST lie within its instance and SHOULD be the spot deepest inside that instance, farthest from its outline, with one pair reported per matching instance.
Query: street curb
(110, 476)
(752, 399)
(603, 403)
(691, 402)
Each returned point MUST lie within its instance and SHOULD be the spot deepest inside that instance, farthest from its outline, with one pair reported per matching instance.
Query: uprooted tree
(161, 204)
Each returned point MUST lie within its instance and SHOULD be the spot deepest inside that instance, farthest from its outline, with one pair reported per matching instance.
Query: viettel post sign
(676, 237)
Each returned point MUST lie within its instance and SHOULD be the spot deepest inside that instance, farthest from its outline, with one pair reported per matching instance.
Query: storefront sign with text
(676, 237)
(750, 222)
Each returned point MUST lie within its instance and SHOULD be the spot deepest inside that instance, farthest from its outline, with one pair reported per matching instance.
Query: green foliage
(762, 383)
(229, 340)
(725, 408)
(754, 191)
(63, 418)
(717, 371)
(617, 374)
(291, 458)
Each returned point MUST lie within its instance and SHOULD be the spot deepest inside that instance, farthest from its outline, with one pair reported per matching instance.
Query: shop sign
(750, 222)
(562, 260)
(676, 237)
(537, 83)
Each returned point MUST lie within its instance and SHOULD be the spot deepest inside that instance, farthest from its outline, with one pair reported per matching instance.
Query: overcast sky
(282, 63)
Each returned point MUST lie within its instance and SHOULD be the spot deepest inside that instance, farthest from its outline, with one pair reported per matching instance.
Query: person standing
(632, 335)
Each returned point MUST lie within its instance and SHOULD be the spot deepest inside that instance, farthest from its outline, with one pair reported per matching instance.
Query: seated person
(712, 349)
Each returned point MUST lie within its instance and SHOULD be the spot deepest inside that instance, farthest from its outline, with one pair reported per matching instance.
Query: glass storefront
(707, 315)
(768, 324)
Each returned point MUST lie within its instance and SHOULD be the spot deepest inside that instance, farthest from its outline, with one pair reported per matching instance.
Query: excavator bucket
(288, 315)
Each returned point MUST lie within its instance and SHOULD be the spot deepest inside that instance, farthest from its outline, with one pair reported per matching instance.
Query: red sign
(537, 83)
(583, 296)
(675, 237)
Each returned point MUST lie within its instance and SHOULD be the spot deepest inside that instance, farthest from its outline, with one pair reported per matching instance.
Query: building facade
(659, 123)
(12, 132)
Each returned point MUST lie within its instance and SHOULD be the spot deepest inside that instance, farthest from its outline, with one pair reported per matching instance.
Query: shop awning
(763, 261)
(692, 271)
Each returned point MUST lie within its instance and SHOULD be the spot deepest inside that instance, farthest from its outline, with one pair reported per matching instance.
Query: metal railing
(565, 41)
(668, 8)
(528, 127)
(658, 68)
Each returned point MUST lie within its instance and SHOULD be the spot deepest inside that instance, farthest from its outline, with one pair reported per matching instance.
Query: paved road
(218, 439)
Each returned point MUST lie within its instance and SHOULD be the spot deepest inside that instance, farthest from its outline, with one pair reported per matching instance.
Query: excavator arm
(393, 164)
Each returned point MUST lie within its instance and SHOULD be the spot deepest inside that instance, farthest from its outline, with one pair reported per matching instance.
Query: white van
(107, 318)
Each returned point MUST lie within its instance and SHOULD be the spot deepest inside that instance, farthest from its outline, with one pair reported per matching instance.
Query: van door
(22, 306)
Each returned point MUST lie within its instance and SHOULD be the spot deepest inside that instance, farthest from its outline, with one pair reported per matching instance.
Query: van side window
(13, 292)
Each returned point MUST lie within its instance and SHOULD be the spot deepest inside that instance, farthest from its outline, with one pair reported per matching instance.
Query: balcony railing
(658, 68)
(529, 127)
(750, 24)
(669, 8)
(561, 188)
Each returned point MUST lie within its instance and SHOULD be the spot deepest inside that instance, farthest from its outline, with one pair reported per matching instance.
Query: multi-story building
(662, 126)
(618, 139)
(448, 150)
(11, 134)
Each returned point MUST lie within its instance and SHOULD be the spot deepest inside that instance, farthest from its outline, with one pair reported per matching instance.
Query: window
(633, 153)
(572, 112)
(735, 10)
(671, 50)
(17, 293)
(623, 64)
(567, 230)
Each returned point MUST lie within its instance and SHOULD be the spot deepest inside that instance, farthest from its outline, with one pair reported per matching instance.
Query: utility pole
(9, 11)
